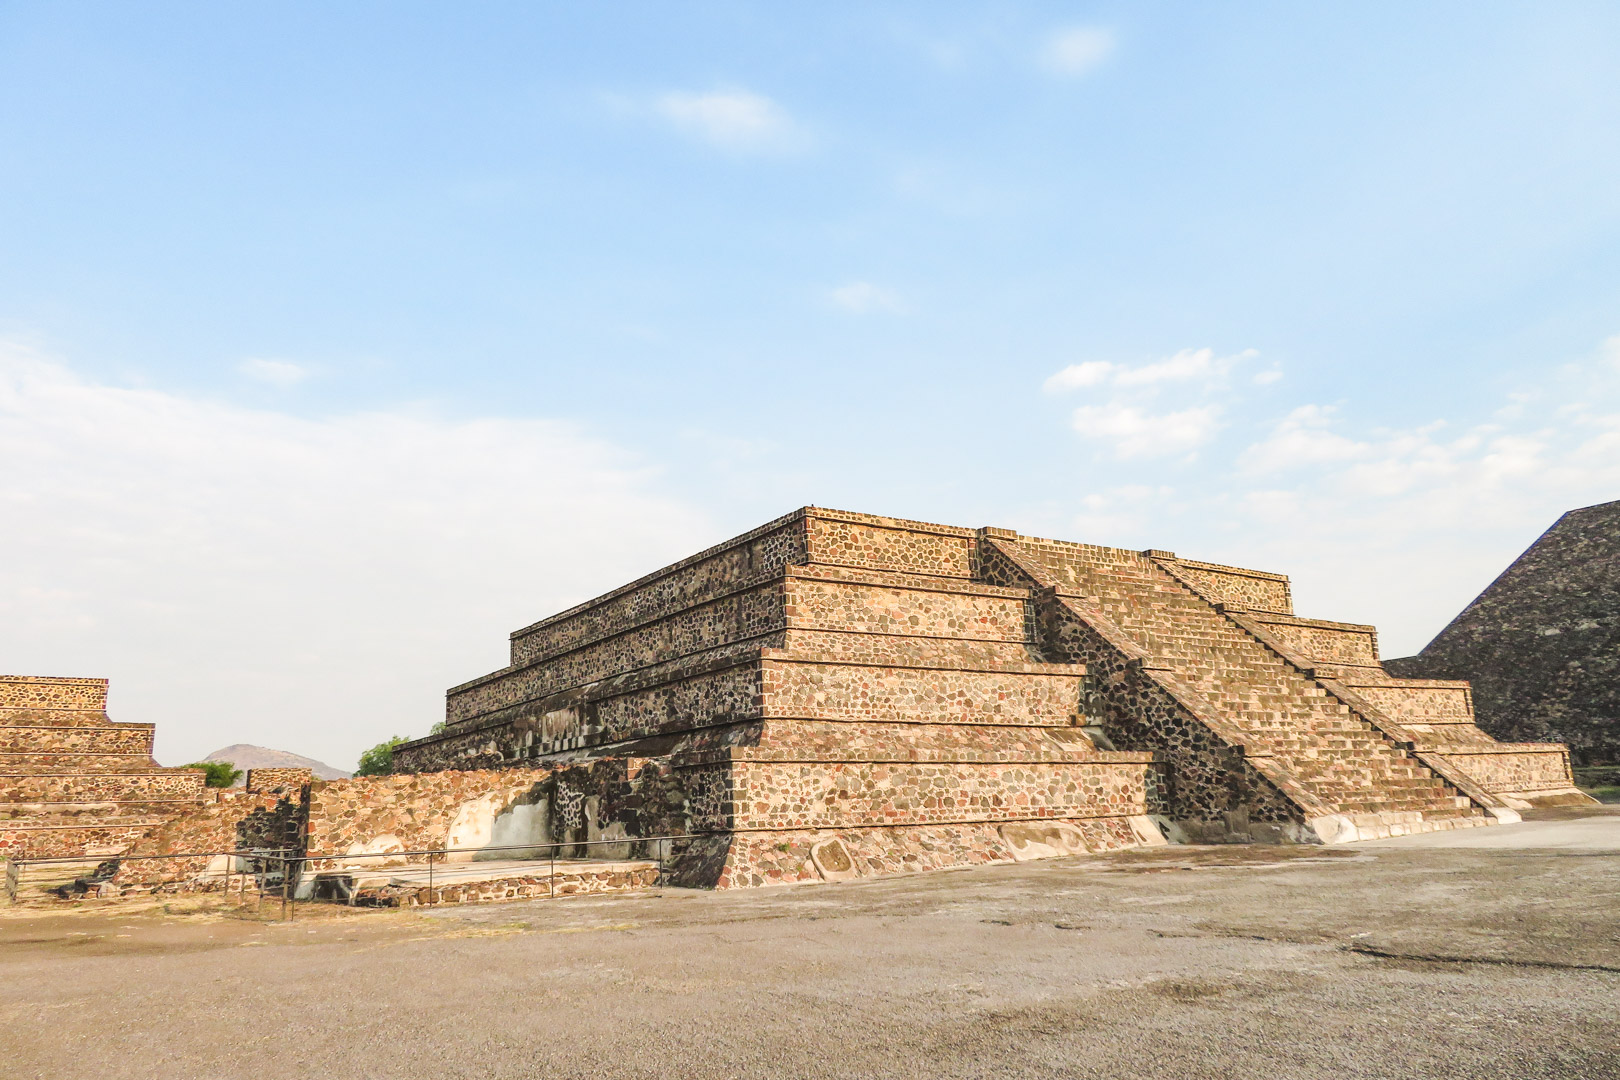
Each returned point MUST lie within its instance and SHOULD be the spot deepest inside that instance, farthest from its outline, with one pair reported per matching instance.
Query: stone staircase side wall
(1208, 784)
(1256, 590)
(1380, 721)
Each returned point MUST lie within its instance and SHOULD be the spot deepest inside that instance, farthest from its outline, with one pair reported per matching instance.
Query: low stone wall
(267, 781)
(69, 841)
(752, 859)
(417, 811)
(537, 885)
(230, 821)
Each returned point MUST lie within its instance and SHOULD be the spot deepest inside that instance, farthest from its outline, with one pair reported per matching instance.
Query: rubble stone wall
(67, 841)
(1514, 767)
(866, 606)
(1420, 701)
(78, 738)
(1253, 589)
(851, 794)
(417, 810)
(1040, 695)
(1325, 642)
(505, 689)
(185, 784)
(749, 860)
(910, 547)
(268, 781)
(44, 692)
(737, 564)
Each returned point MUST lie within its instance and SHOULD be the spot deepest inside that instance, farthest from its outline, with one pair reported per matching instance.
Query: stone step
(85, 738)
(109, 786)
(74, 762)
(1049, 696)
(53, 718)
(69, 811)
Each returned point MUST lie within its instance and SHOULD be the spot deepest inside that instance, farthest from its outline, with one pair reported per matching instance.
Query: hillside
(246, 756)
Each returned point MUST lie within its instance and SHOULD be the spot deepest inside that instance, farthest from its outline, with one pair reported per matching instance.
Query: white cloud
(1134, 433)
(1301, 440)
(1185, 366)
(863, 297)
(1078, 376)
(1266, 378)
(1611, 350)
(246, 575)
(281, 373)
(1077, 50)
(732, 119)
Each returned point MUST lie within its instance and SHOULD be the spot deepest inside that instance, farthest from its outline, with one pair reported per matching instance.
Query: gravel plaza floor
(1485, 953)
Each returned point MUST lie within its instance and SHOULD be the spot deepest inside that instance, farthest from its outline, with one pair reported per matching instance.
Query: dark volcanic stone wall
(1541, 645)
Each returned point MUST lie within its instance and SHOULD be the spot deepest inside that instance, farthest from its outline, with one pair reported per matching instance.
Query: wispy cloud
(1132, 432)
(1396, 525)
(281, 373)
(1188, 365)
(1077, 50)
(863, 297)
(738, 120)
(200, 552)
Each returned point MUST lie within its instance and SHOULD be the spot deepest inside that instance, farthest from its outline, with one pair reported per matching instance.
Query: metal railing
(281, 856)
(292, 867)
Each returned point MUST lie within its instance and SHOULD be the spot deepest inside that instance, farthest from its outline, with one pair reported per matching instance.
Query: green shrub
(379, 760)
(219, 773)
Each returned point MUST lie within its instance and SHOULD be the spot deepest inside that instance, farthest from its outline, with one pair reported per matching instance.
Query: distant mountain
(245, 757)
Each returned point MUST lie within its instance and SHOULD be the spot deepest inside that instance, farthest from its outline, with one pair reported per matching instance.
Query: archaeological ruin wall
(834, 694)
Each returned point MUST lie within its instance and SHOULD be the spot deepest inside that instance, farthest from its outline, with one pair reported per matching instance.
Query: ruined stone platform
(74, 782)
(837, 694)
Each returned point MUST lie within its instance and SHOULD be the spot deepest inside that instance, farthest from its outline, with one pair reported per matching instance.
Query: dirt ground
(1484, 953)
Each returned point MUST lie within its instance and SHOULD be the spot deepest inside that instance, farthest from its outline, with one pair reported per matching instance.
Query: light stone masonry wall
(79, 738)
(1326, 642)
(737, 564)
(45, 692)
(1252, 589)
(910, 547)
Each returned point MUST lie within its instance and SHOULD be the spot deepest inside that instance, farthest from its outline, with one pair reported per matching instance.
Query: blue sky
(336, 342)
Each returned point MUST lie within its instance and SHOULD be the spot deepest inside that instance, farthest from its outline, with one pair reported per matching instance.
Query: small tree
(379, 760)
(218, 773)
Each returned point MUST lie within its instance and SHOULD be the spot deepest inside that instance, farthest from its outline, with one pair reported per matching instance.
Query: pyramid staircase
(1210, 661)
(73, 782)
